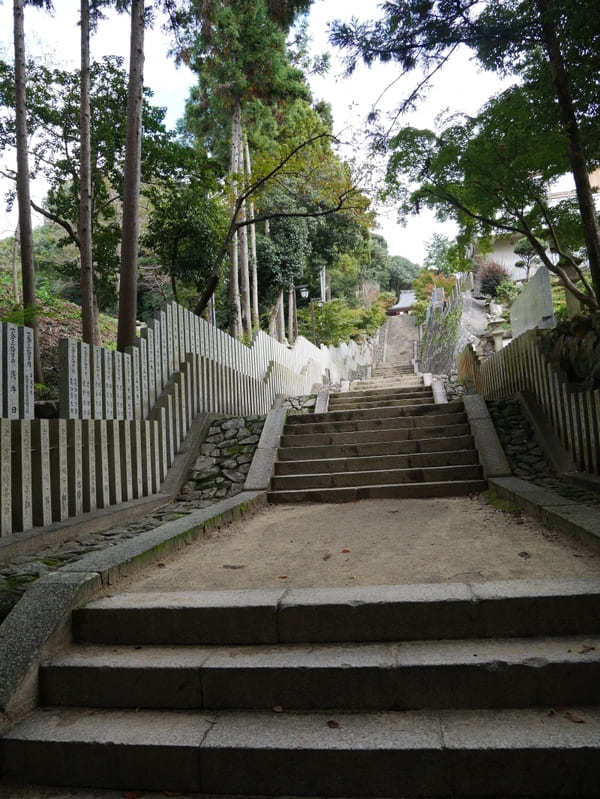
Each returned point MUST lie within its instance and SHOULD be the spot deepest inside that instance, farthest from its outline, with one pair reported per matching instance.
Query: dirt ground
(373, 542)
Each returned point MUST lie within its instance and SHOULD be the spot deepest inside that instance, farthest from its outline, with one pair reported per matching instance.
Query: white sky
(460, 87)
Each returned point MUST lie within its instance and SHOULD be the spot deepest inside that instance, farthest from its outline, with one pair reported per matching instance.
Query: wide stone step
(447, 488)
(380, 435)
(375, 393)
(431, 611)
(530, 752)
(515, 672)
(381, 462)
(387, 422)
(352, 415)
(385, 385)
(432, 474)
(409, 446)
(378, 403)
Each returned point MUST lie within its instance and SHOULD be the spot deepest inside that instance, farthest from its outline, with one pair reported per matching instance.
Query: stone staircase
(388, 441)
(447, 689)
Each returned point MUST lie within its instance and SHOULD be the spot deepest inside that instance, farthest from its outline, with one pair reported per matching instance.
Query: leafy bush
(574, 348)
(336, 322)
(419, 311)
(507, 292)
(491, 275)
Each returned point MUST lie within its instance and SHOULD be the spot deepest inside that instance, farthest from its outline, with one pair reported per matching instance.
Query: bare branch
(53, 218)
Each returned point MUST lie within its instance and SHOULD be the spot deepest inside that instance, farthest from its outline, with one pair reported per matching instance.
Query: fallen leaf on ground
(327, 556)
(159, 566)
(524, 555)
(586, 648)
(283, 576)
(278, 709)
(233, 566)
(333, 724)
(346, 550)
(574, 718)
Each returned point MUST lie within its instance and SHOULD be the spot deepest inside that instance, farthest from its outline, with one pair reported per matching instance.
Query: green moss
(505, 505)
(236, 449)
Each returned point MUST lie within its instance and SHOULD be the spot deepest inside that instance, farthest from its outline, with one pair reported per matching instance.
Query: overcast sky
(461, 87)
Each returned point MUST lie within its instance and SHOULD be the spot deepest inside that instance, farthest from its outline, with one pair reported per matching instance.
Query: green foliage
(420, 311)
(444, 256)
(573, 346)
(507, 292)
(425, 282)
(336, 322)
(402, 272)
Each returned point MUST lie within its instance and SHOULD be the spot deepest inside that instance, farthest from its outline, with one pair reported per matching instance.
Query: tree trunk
(236, 309)
(252, 233)
(243, 241)
(575, 147)
(23, 196)
(126, 332)
(291, 295)
(90, 331)
(273, 316)
(243, 234)
(15, 280)
(281, 319)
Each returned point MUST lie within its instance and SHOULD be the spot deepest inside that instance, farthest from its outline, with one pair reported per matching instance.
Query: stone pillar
(40, 473)
(84, 381)
(96, 380)
(170, 337)
(181, 329)
(147, 453)
(68, 389)
(10, 367)
(58, 470)
(137, 457)
(127, 465)
(143, 350)
(25, 345)
(6, 524)
(21, 475)
(127, 386)
(102, 467)
(114, 462)
(107, 384)
(74, 467)
(159, 450)
(164, 349)
(88, 460)
(149, 331)
(119, 404)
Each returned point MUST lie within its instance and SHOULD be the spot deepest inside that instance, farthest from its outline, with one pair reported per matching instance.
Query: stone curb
(263, 463)
(439, 392)
(545, 435)
(491, 455)
(40, 621)
(551, 509)
(322, 403)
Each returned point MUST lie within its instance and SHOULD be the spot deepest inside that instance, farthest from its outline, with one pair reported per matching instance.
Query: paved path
(372, 542)
(401, 332)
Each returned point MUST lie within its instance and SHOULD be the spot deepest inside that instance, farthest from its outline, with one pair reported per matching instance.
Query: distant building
(405, 303)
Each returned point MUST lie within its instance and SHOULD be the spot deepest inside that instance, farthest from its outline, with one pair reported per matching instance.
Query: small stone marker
(96, 380)
(127, 386)
(68, 379)
(114, 462)
(143, 356)
(136, 457)
(126, 445)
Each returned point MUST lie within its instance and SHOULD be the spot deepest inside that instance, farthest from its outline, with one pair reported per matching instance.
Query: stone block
(25, 344)
(6, 524)
(119, 399)
(22, 509)
(88, 448)
(96, 382)
(102, 464)
(533, 307)
(127, 459)
(75, 467)
(114, 462)
(107, 384)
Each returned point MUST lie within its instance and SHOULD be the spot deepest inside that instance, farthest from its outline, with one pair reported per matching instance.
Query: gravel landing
(527, 459)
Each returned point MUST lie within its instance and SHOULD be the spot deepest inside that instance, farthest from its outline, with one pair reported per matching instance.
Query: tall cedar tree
(23, 195)
(505, 35)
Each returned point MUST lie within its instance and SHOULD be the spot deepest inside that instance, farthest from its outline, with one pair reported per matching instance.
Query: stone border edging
(491, 455)
(439, 392)
(322, 404)
(551, 509)
(263, 463)
(40, 621)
